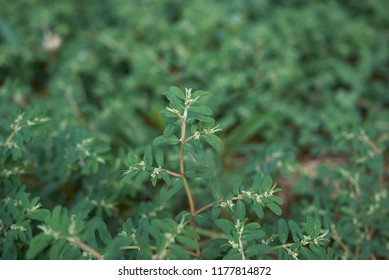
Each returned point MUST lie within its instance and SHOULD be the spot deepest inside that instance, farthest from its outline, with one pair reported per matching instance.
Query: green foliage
(90, 167)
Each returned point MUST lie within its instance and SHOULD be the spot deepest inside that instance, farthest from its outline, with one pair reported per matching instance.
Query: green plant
(241, 236)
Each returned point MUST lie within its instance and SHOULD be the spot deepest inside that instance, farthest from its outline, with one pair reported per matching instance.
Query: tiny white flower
(142, 165)
(155, 172)
(51, 42)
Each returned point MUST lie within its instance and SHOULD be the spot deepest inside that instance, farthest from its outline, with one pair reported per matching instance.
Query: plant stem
(182, 171)
(182, 140)
(190, 198)
(189, 138)
(182, 166)
(209, 205)
(88, 249)
(173, 173)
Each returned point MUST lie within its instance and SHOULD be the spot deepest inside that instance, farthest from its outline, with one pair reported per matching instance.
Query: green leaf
(141, 177)
(113, 249)
(159, 158)
(226, 226)
(71, 253)
(283, 231)
(162, 225)
(172, 140)
(131, 159)
(180, 253)
(174, 101)
(241, 210)
(177, 92)
(236, 184)
(173, 223)
(196, 151)
(310, 225)
(169, 129)
(233, 254)
(274, 207)
(56, 248)
(317, 227)
(201, 109)
(127, 177)
(215, 188)
(165, 176)
(104, 233)
(308, 255)
(258, 210)
(252, 226)
(215, 211)
(319, 252)
(159, 140)
(142, 232)
(282, 254)
(169, 114)
(297, 235)
(214, 249)
(168, 191)
(145, 253)
(127, 226)
(187, 241)
(189, 231)
(148, 156)
(198, 172)
(265, 184)
(276, 199)
(38, 244)
(59, 219)
(253, 235)
(257, 183)
(213, 140)
(260, 249)
(39, 214)
(201, 93)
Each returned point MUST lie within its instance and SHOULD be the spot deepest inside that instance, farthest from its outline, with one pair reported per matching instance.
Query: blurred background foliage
(300, 89)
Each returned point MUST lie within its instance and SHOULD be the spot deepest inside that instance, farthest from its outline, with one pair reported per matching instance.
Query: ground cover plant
(201, 130)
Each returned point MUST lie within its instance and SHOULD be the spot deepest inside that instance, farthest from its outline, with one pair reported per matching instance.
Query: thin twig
(190, 198)
(209, 205)
(182, 166)
(88, 249)
(173, 173)
(182, 171)
(189, 138)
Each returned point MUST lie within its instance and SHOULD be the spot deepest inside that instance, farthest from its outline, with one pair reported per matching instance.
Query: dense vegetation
(290, 95)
